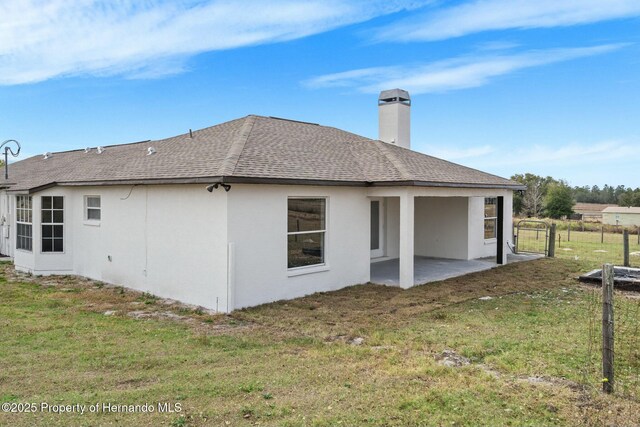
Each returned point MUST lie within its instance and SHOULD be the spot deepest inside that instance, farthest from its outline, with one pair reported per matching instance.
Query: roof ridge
(400, 167)
(232, 158)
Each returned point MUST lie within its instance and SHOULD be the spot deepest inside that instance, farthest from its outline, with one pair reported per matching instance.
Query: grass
(590, 246)
(291, 363)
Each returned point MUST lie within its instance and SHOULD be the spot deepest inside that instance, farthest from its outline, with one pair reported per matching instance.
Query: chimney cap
(394, 95)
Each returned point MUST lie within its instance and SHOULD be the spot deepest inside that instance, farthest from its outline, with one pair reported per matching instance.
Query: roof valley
(233, 155)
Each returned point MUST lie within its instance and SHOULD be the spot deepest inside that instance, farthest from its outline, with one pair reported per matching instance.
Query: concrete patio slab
(435, 269)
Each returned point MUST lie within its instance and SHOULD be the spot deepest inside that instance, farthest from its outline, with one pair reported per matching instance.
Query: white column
(406, 239)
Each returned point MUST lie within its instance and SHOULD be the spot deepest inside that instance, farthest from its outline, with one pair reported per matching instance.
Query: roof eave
(268, 180)
(447, 184)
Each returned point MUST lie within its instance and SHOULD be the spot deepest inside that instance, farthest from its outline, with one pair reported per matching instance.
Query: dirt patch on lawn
(347, 311)
(340, 313)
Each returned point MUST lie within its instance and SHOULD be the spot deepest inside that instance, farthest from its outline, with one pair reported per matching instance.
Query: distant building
(620, 215)
(590, 211)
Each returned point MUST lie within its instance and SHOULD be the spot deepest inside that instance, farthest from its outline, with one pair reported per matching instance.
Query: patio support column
(406, 239)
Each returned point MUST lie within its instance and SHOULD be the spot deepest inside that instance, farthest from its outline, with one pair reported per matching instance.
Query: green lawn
(589, 246)
(293, 363)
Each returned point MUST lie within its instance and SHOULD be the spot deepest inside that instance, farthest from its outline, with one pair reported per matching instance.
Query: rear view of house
(253, 210)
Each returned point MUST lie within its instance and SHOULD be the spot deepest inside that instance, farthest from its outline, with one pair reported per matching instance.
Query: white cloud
(451, 74)
(611, 162)
(572, 154)
(576, 154)
(486, 15)
(455, 154)
(42, 39)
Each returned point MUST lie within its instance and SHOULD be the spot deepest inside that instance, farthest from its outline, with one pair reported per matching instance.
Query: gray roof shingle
(250, 149)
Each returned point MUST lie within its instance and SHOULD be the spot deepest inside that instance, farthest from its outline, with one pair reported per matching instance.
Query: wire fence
(595, 244)
(591, 242)
(626, 314)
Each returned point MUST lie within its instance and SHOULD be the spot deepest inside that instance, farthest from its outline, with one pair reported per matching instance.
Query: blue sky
(507, 86)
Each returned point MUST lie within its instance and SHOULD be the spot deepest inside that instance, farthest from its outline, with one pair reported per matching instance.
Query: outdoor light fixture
(226, 187)
(8, 150)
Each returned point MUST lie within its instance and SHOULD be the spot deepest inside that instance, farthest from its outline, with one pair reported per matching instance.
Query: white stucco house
(250, 211)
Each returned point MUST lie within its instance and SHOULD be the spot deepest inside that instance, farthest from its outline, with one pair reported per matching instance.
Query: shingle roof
(251, 149)
(591, 207)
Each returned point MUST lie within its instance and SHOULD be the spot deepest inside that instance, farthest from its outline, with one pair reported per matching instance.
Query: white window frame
(22, 218)
(52, 223)
(490, 218)
(87, 208)
(307, 269)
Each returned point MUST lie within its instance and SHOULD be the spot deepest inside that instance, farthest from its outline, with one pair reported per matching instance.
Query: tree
(559, 200)
(531, 203)
(630, 198)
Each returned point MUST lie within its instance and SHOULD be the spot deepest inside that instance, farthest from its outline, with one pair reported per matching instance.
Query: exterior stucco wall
(166, 240)
(258, 232)
(441, 227)
(6, 216)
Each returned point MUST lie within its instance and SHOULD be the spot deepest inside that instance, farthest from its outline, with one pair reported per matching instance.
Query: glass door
(377, 228)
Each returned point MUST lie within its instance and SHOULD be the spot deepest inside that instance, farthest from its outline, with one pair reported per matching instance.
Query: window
(52, 224)
(490, 217)
(306, 232)
(92, 208)
(24, 221)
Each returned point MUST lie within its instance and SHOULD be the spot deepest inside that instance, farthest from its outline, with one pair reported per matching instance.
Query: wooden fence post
(625, 243)
(602, 233)
(552, 241)
(607, 328)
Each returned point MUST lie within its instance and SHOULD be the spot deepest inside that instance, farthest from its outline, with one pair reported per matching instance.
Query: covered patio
(427, 234)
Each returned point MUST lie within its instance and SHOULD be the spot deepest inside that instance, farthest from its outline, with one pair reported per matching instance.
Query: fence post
(607, 328)
(625, 242)
(602, 233)
(569, 232)
(552, 241)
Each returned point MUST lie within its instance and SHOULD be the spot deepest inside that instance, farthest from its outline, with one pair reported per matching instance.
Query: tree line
(555, 198)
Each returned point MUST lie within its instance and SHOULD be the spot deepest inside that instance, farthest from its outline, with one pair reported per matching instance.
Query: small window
(490, 217)
(24, 223)
(306, 232)
(52, 223)
(92, 208)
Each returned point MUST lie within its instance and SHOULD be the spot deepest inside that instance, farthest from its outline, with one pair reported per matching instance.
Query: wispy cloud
(572, 154)
(44, 39)
(455, 154)
(582, 154)
(585, 163)
(485, 15)
(451, 74)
